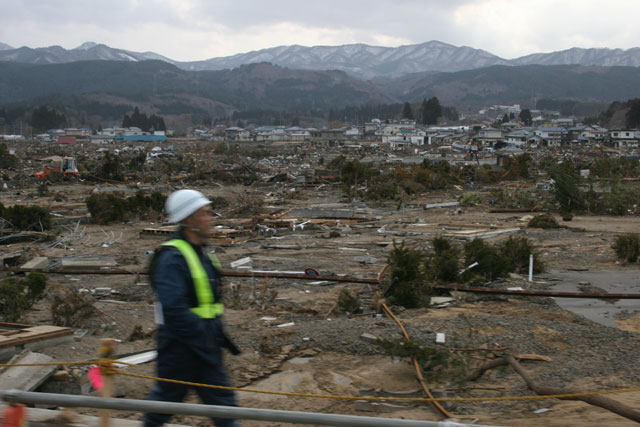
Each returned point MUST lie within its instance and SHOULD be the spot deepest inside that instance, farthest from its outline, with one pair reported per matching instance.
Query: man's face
(201, 220)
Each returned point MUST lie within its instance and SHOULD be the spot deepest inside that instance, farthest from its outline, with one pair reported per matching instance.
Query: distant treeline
(570, 107)
(143, 122)
(428, 112)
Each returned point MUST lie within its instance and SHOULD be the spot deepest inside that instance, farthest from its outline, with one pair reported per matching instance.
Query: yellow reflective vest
(207, 308)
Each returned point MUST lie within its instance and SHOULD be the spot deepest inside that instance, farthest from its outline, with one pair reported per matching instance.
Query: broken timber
(15, 337)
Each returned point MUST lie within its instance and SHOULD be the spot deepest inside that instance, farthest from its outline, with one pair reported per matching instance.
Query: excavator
(67, 167)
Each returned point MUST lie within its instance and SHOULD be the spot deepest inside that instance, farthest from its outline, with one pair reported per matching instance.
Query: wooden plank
(32, 334)
(27, 378)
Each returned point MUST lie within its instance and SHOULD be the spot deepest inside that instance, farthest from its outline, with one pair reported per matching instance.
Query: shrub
(619, 201)
(43, 189)
(7, 160)
(35, 284)
(485, 174)
(566, 190)
(105, 208)
(19, 295)
(407, 287)
(517, 250)
(28, 218)
(70, 308)
(627, 247)
(470, 199)
(348, 303)
(109, 168)
(386, 190)
(434, 361)
(444, 264)
(352, 174)
(491, 263)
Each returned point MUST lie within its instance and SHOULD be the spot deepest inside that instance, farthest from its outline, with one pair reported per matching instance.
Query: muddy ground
(323, 351)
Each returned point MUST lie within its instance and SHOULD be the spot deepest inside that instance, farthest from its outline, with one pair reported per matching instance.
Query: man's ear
(188, 221)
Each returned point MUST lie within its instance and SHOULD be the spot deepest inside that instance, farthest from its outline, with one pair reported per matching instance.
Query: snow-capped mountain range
(359, 60)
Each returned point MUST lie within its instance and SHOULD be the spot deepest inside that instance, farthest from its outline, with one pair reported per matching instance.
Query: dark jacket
(176, 292)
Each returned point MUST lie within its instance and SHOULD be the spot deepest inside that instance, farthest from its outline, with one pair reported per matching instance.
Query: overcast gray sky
(189, 30)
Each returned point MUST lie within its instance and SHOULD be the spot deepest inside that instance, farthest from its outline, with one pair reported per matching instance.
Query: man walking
(187, 283)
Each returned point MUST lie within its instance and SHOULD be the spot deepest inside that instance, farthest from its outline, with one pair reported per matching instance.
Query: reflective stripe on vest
(207, 308)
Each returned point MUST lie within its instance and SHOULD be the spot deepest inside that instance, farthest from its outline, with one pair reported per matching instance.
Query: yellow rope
(402, 399)
(110, 370)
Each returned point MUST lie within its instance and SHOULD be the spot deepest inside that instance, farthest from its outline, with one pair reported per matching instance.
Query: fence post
(106, 352)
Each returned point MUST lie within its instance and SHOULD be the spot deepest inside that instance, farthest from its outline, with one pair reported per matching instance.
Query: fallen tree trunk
(595, 400)
(477, 373)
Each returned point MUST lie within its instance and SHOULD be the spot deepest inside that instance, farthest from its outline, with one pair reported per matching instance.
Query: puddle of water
(600, 311)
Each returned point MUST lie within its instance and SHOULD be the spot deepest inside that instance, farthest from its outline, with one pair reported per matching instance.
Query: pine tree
(406, 111)
(632, 116)
(525, 117)
(431, 111)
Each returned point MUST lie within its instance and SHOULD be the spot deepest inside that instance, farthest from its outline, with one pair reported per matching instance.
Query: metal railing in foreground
(294, 417)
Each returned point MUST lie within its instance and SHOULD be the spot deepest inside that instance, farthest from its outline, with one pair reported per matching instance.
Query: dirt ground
(323, 352)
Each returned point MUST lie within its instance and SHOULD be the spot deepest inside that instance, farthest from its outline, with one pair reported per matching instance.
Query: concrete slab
(612, 281)
(27, 378)
(36, 263)
(87, 263)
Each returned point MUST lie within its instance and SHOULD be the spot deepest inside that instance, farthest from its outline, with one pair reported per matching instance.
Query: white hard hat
(183, 203)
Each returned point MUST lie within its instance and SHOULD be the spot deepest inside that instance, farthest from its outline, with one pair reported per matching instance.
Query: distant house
(489, 136)
(237, 134)
(535, 141)
(330, 137)
(352, 133)
(563, 122)
(552, 136)
(619, 138)
(518, 137)
(296, 133)
(371, 127)
(270, 133)
(79, 133)
(596, 133)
